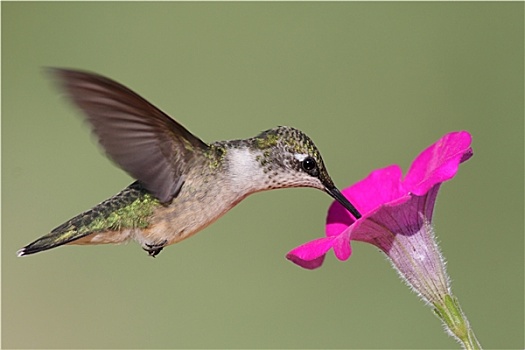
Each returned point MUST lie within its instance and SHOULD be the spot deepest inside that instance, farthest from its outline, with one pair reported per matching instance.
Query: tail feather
(110, 215)
(63, 234)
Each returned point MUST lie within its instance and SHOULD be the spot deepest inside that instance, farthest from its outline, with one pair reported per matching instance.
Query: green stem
(456, 322)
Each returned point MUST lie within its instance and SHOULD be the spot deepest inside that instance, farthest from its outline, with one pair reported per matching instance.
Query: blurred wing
(141, 139)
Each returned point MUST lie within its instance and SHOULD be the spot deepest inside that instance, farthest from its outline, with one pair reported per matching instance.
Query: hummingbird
(182, 183)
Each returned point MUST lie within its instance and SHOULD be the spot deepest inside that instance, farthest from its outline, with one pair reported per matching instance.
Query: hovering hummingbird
(183, 184)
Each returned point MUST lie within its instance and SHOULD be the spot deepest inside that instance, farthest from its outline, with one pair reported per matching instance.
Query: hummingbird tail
(63, 234)
(112, 221)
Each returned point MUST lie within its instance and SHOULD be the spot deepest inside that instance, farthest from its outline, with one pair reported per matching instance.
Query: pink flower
(397, 213)
(397, 218)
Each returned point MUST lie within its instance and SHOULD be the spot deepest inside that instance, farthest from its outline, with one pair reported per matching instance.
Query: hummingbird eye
(309, 165)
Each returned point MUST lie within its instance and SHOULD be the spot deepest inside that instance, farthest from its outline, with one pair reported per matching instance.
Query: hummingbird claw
(154, 249)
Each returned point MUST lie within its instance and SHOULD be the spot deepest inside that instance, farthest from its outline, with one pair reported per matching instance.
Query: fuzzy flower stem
(419, 262)
(456, 322)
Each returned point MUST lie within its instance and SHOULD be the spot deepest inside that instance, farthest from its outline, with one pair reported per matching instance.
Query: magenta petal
(338, 219)
(381, 186)
(438, 163)
(306, 264)
(342, 248)
(391, 208)
(311, 255)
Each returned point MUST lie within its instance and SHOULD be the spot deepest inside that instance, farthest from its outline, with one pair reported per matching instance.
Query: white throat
(245, 171)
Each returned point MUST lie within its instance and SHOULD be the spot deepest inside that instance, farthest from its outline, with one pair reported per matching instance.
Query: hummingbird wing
(144, 141)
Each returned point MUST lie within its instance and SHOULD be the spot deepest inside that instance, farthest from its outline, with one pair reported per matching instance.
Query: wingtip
(60, 75)
(53, 71)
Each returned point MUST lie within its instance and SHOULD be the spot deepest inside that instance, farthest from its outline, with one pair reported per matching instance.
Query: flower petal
(438, 163)
(311, 255)
(341, 245)
(381, 186)
(391, 207)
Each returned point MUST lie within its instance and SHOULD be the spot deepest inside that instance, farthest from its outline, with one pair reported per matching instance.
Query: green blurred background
(372, 83)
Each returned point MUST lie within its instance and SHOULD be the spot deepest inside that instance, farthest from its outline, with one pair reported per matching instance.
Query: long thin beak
(338, 196)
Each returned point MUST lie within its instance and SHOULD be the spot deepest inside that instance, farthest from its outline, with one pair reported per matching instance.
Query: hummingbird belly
(190, 212)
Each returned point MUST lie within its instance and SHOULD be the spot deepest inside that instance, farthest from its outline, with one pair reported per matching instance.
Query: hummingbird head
(289, 158)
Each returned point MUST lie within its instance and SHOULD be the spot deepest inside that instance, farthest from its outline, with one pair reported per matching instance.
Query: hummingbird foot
(154, 249)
